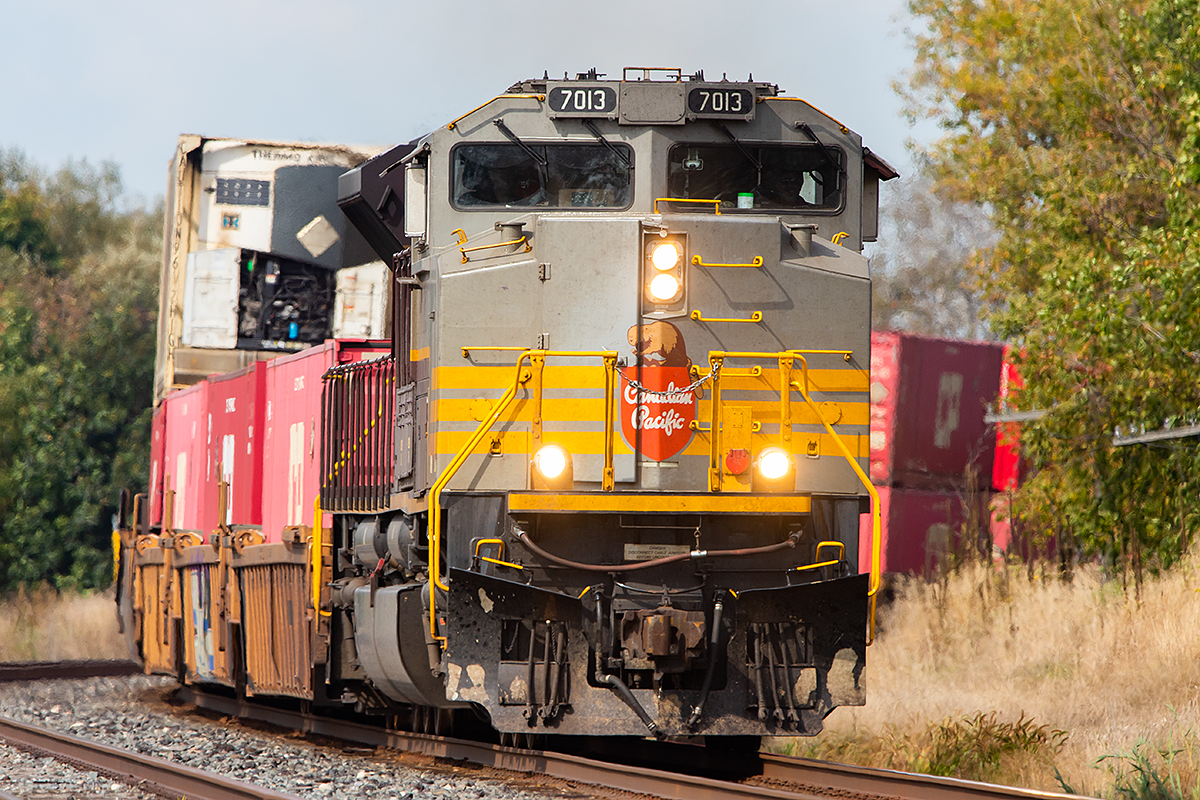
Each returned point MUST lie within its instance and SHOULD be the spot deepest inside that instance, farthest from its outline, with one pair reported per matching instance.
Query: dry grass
(44, 625)
(1120, 679)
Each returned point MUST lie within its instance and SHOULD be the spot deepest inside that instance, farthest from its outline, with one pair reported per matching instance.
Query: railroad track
(65, 670)
(153, 775)
(659, 770)
(760, 776)
(851, 781)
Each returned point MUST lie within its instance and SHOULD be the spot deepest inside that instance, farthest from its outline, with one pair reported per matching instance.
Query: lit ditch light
(552, 469)
(774, 471)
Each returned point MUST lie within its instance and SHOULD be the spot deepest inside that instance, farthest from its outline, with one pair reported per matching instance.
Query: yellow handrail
(716, 203)
(539, 97)
(873, 586)
(523, 240)
(845, 354)
(699, 317)
(482, 542)
(496, 560)
(755, 426)
(435, 495)
(318, 544)
(508, 564)
(699, 262)
(841, 127)
(466, 351)
(818, 565)
(435, 492)
(754, 372)
(116, 550)
(839, 546)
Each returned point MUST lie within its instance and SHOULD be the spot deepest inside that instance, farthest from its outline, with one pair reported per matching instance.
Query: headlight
(665, 256)
(551, 461)
(664, 287)
(774, 463)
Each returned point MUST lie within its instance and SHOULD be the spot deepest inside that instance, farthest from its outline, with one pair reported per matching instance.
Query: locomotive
(602, 476)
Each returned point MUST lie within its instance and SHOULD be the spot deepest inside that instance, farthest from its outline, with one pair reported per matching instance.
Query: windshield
(773, 176)
(572, 176)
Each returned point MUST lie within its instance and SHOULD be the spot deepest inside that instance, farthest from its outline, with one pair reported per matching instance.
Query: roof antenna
(751, 78)
(723, 77)
(545, 74)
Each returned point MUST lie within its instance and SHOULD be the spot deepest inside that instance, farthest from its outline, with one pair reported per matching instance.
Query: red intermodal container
(292, 446)
(158, 443)
(1007, 467)
(237, 407)
(186, 459)
(919, 528)
(928, 398)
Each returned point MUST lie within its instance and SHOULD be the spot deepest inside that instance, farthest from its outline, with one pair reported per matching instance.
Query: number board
(580, 99)
(720, 101)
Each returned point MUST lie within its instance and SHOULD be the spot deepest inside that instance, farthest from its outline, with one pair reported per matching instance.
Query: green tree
(77, 307)
(1075, 124)
(24, 213)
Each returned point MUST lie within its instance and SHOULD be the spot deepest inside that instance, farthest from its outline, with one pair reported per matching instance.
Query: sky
(120, 80)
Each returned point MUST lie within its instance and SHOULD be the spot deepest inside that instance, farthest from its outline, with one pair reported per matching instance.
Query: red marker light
(737, 461)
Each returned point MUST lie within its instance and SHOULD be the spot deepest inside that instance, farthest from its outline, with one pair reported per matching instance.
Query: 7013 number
(719, 101)
(591, 99)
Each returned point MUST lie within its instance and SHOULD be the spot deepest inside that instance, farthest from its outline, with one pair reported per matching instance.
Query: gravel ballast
(35, 777)
(130, 713)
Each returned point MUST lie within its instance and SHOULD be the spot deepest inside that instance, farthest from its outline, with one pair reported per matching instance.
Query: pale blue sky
(120, 80)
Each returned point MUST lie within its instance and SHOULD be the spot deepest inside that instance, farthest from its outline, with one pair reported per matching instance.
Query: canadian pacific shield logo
(656, 418)
(658, 422)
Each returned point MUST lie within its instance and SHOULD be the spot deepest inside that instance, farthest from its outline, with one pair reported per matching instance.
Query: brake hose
(524, 539)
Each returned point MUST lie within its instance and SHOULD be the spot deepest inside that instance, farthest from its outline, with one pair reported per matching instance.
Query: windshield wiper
(741, 147)
(803, 126)
(512, 137)
(591, 126)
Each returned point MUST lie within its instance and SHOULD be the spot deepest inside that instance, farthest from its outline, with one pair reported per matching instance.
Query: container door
(210, 299)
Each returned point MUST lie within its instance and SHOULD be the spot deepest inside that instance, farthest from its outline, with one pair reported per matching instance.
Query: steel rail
(66, 670)
(781, 777)
(892, 783)
(155, 775)
(640, 780)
